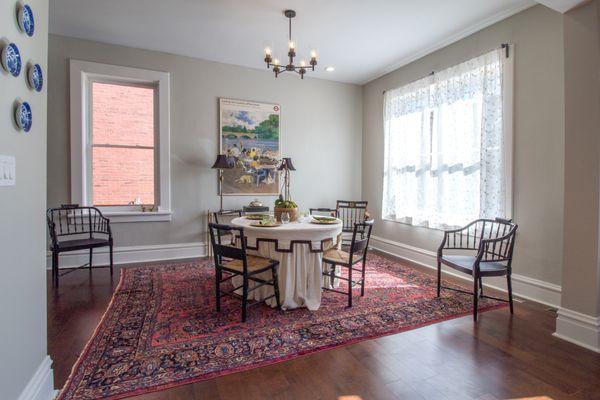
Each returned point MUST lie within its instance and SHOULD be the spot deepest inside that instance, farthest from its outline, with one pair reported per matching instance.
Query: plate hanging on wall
(26, 20)
(11, 59)
(23, 116)
(35, 77)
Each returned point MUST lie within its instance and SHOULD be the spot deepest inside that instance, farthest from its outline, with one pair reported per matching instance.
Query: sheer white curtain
(444, 146)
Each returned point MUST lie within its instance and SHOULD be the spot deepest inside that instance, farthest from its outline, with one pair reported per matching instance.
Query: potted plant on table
(285, 206)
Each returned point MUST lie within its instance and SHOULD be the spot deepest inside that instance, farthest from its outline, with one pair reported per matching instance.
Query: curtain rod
(505, 46)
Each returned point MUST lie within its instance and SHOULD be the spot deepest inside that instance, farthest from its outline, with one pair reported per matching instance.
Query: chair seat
(255, 263)
(77, 244)
(465, 264)
(336, 256)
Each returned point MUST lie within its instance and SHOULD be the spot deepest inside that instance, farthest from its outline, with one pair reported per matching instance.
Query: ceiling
(361, 39)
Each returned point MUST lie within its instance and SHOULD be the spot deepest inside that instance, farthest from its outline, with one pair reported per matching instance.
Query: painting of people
(250, 138)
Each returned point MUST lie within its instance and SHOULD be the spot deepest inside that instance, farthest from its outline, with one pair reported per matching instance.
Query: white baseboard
(523, 286)
(41, 384)
(580, 329)
(131, 254)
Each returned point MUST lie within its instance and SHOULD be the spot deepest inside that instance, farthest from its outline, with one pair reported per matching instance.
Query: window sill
(137, 216)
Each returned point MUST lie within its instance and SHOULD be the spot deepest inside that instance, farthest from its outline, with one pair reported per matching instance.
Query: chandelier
(277, 67)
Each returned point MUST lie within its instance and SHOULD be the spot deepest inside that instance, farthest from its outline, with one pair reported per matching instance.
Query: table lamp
(221, 163)
(286, 166)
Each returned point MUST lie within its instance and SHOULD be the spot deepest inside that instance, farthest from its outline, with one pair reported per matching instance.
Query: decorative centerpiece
(285, 206)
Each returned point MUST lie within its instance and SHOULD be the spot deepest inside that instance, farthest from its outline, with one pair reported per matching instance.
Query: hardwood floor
(500, 357)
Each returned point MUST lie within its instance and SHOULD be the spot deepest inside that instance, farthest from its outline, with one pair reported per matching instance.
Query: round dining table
(299, 247)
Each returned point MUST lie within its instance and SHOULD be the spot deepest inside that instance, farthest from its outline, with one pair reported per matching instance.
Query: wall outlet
(7, 170)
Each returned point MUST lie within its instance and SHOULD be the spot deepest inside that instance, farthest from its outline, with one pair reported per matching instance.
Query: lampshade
(221, 162)
(286, 163)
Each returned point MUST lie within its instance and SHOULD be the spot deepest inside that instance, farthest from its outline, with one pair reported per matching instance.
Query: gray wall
(581, 268)
(22, 213)
(538, 129)
(321, 130)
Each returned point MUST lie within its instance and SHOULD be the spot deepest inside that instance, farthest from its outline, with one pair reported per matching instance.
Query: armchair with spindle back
(73, 227)
(492, 242)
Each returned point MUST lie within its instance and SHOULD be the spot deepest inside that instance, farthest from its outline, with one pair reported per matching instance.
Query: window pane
(122, 115)
(122, 175)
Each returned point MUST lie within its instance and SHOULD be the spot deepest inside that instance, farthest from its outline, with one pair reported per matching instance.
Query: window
(448, 145)
(120, 141)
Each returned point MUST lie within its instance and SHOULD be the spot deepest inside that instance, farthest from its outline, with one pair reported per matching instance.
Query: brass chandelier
(277, 67)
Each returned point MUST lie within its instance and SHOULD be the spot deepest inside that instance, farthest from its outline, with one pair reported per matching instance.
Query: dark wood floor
(500, 357)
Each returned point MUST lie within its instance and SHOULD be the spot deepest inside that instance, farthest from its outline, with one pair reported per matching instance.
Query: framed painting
(250, 138)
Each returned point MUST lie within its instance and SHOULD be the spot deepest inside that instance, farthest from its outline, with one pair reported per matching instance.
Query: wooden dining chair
(357, 253)
(350, 212)
(491, 243)
(234, 261)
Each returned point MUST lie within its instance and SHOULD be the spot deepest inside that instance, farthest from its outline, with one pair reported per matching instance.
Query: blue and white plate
(35, 77)
(11, 59)
(26, 21)
(23, 116)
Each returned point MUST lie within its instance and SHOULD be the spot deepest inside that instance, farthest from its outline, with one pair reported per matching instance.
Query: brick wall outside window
(122, 116)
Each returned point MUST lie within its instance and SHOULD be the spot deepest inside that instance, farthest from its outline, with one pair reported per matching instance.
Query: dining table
(299, 247)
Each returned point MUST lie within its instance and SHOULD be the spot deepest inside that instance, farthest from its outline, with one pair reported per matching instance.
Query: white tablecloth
(300, 270)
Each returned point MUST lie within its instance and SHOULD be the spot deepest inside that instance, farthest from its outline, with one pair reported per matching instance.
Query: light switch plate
(7, 170)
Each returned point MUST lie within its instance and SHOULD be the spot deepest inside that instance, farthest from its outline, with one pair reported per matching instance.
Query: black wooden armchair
(74, 228)
(491, 243)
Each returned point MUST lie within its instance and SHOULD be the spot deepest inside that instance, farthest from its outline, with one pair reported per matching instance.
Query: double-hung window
(120, 141)
(448, 145)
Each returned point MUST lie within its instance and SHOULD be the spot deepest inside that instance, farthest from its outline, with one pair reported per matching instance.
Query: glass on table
(285, 217)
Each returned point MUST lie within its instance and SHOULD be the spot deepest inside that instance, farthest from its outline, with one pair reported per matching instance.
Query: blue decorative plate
(23, 116)
(35, 77)
(26, 21)
(11, 59)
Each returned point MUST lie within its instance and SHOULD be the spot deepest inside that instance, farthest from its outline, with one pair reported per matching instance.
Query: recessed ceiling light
(330, 69)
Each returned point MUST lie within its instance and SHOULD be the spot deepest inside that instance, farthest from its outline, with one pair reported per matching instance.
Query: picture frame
(250, 137)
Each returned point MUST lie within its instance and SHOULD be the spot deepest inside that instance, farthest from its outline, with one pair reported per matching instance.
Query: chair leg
(350, 286)
(480, 287)
(475, 297)
(332, 275)
(276, 285)
(362, 282)
(439, 278)
(218, 277)
(245, 299)
(91, 256)
(55, 268)
(111, 258)
(510, 296)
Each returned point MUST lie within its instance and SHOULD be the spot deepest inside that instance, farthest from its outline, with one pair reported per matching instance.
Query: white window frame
(82, 74)
(508, 74)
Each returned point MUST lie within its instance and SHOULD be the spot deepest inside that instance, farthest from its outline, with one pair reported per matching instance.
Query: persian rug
(161, 328)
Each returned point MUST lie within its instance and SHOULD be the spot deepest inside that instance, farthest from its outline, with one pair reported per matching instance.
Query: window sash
(119, 81)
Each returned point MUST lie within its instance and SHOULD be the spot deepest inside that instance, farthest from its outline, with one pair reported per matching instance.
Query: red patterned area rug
(161, 328)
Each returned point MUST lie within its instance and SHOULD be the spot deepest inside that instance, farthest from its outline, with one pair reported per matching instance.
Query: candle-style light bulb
(302, 63)
(291, 45)
(267, 51)
(313, 54)
(275, 62)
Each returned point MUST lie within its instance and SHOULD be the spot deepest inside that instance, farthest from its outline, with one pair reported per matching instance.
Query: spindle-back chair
(73, 227)
(492, 241)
